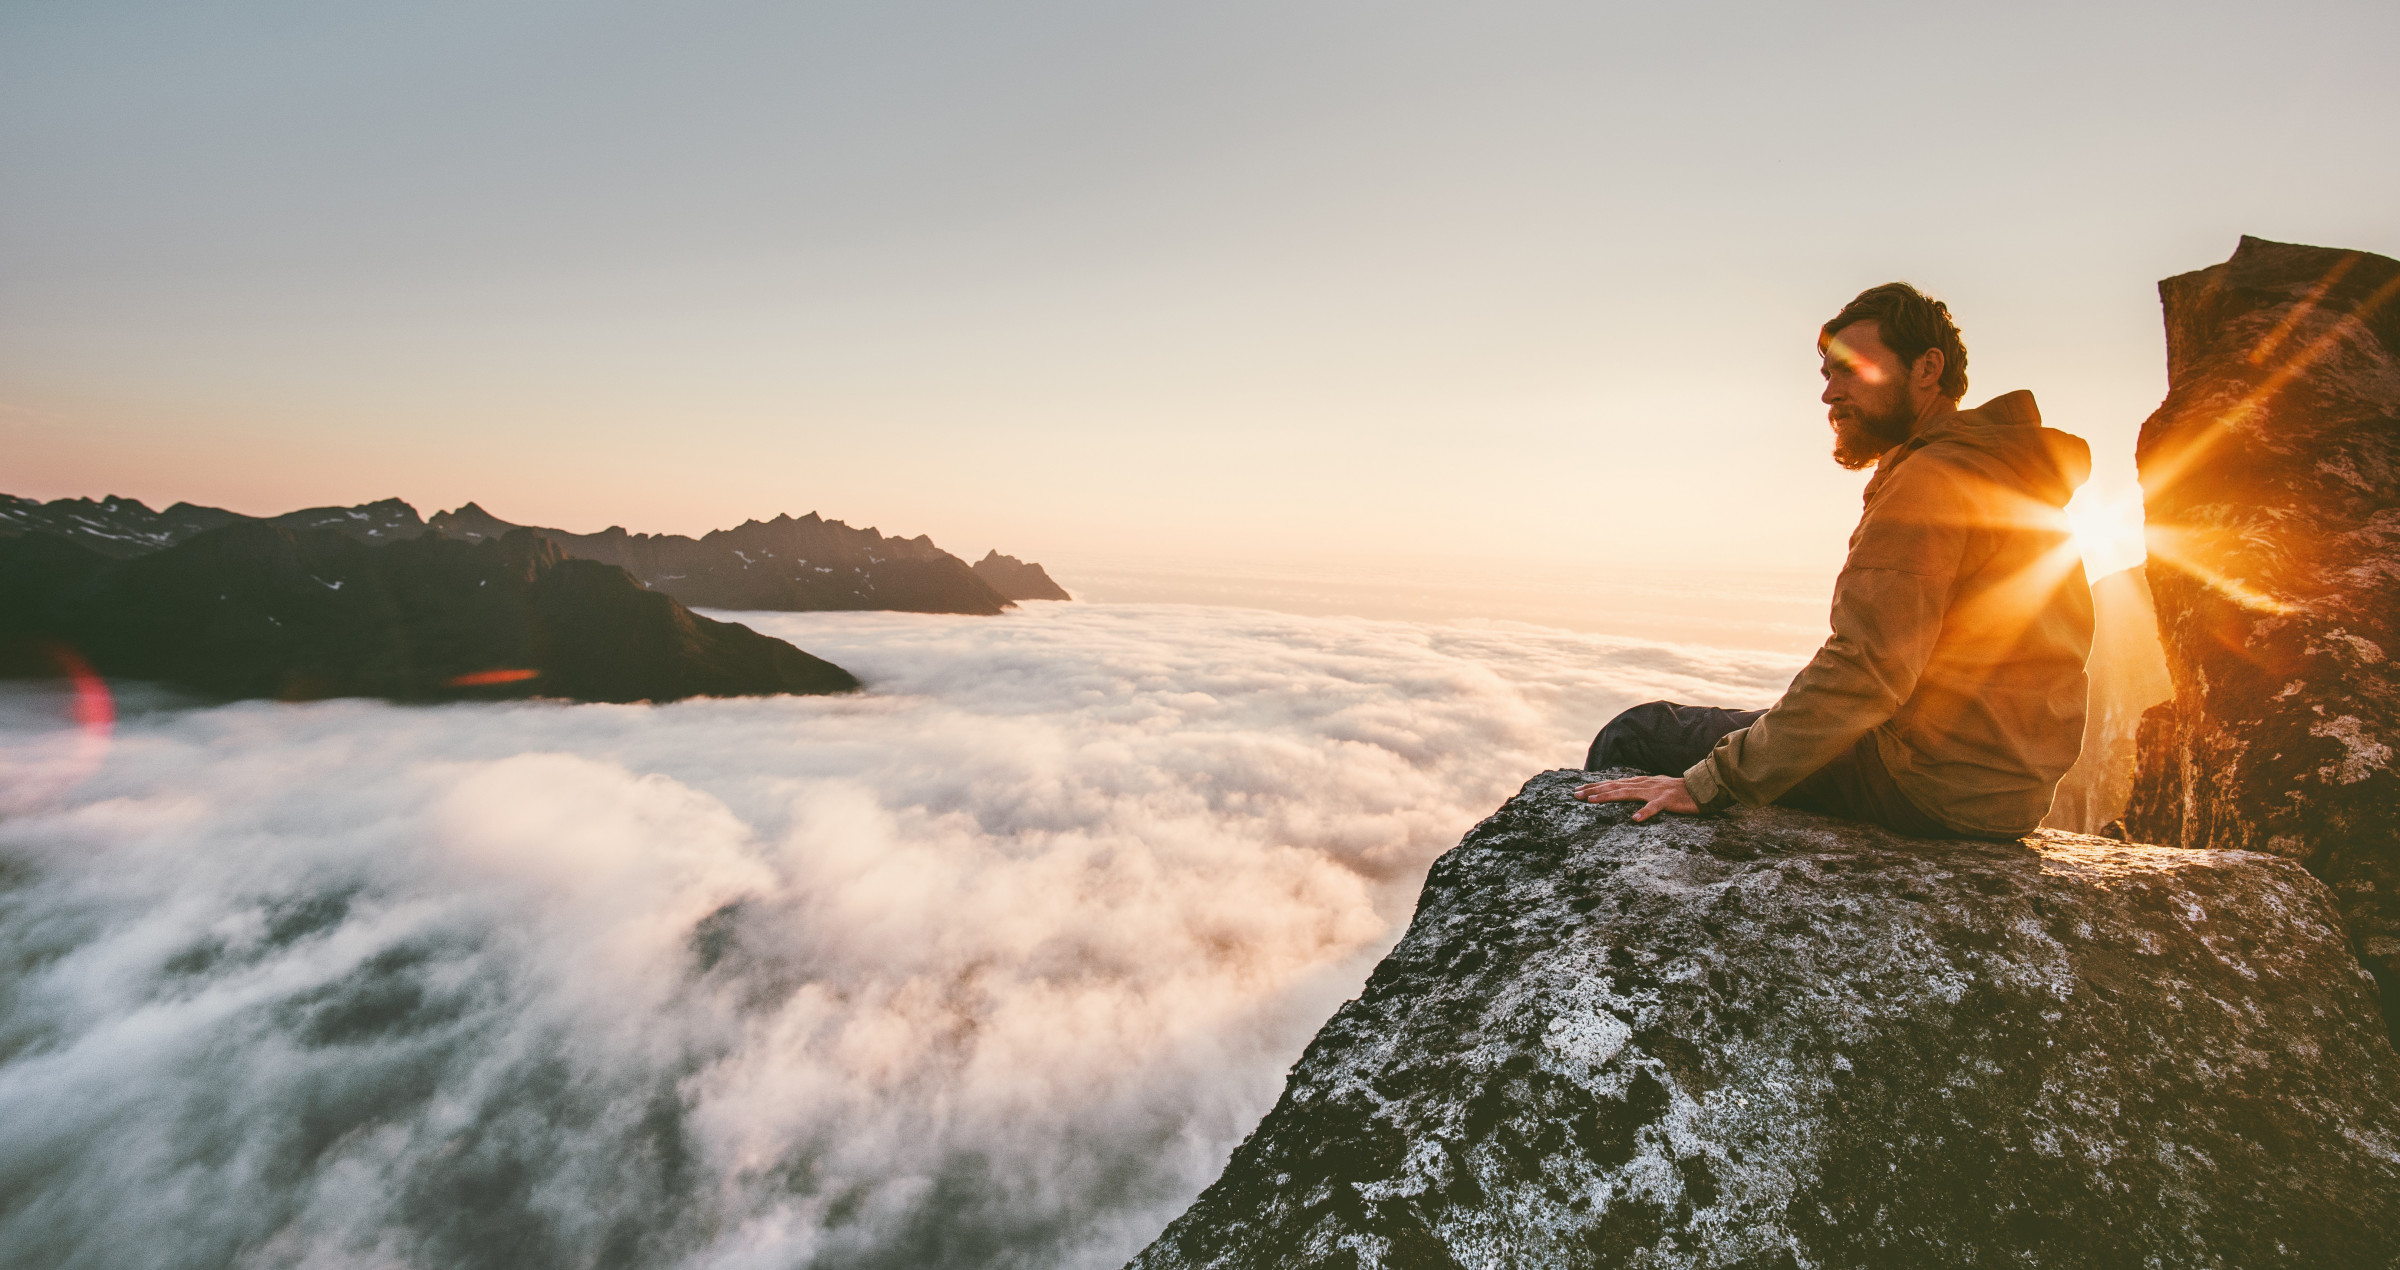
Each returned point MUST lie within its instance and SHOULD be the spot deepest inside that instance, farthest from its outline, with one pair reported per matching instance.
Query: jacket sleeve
(1888, 607)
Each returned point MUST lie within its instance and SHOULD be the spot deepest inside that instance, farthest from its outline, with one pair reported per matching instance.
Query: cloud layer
(990, 966)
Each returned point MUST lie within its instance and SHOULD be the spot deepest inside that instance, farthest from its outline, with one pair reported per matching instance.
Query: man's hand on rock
(1655, 793)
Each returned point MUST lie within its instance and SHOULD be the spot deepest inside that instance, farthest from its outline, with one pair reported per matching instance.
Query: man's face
(1866, 392)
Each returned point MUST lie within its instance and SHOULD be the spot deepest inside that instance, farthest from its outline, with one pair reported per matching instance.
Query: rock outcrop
(803, 564)
(1775, 1039)
(2128, 672)
(260, 610)
(2272, 479)
(1018, 579)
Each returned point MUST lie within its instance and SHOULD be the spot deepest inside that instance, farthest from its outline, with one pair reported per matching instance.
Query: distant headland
(375, 600)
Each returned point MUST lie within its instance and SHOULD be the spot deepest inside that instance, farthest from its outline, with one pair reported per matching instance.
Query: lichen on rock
(1777, 1039)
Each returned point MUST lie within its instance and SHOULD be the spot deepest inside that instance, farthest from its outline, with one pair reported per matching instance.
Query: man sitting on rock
(1949, 699)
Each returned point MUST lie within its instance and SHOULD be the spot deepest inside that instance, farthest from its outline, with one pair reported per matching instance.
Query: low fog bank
(1779, 609)
(990, 966)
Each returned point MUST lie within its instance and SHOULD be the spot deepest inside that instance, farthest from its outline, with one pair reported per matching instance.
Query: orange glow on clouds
(480, 678)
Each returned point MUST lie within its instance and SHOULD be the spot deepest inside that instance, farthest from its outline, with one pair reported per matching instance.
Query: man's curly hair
(1910, 322)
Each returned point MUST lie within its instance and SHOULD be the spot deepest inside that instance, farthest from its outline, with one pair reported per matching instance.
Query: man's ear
(1927, 373)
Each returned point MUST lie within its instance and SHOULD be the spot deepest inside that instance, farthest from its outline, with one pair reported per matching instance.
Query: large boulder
(2272, 480)
(1776, 1039)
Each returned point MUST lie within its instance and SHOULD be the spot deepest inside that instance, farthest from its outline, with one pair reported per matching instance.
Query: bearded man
(1949, 699)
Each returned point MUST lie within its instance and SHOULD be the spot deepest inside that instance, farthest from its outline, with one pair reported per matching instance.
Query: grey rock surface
(2272, 473)
(1776, 1039)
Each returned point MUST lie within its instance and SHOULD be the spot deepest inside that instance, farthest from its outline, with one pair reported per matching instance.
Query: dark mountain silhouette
(253, 609)
(112, 526)
(126, 527)
(802, 564)
(388, 520)
(1017, 579)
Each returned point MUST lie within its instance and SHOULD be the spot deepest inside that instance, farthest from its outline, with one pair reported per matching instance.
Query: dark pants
(1665, 738)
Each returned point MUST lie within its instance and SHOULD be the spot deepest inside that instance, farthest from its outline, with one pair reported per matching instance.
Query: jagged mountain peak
(471, 522)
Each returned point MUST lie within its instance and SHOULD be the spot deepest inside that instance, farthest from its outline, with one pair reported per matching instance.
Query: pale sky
(1368, 283)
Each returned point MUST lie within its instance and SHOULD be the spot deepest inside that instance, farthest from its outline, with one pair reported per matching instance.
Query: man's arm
(1888, 608)
(1885, 622)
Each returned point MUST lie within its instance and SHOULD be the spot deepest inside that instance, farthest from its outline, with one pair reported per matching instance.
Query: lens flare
(2187, 550)
(69, 737)
(1842, 354)
(479, 678)
(2213, 556)
(2166, 468)
(2108, 529)
(2267, 347)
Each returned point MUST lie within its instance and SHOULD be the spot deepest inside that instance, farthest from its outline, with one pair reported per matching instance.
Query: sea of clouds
(991, 965)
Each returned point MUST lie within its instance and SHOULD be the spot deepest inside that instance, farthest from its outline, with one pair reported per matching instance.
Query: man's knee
(1630, 739)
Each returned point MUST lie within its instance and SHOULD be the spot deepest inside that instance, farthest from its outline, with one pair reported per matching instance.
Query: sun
(2108, 529)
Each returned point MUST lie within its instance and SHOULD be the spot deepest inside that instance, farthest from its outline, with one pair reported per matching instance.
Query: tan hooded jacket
(1961, 622)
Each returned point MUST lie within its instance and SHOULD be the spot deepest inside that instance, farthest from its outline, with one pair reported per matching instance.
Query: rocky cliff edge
(2272, 472)
(1772, 1039)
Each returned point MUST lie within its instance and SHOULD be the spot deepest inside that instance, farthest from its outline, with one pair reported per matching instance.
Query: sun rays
(2107, 528)
(2219, 557)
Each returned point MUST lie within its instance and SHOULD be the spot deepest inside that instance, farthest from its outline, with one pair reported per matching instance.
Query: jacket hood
(2050, 464)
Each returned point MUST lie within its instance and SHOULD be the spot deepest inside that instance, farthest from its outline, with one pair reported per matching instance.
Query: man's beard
(1861, 437)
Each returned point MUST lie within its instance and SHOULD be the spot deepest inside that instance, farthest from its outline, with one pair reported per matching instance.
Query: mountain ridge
(794, 564)
(255, 609)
